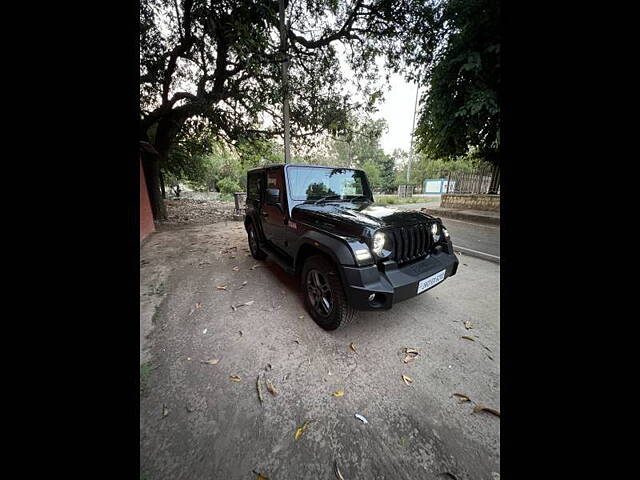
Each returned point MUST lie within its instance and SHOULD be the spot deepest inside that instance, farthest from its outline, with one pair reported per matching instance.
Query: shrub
(228, 185)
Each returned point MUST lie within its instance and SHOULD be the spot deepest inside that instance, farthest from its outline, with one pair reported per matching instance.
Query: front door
(273, 216)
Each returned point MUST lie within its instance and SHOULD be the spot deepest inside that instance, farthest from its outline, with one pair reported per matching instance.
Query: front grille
(410, 243)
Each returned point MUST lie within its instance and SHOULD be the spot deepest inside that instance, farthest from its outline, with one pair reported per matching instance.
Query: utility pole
(285, 85)
(415, 107)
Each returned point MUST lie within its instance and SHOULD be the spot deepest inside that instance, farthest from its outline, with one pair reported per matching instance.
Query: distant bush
(395, 200)
(228, 185)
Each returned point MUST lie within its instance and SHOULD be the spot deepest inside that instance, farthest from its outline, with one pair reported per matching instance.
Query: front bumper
(392, 283)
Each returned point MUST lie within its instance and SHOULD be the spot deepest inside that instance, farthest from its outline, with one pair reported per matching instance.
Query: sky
(397, 109)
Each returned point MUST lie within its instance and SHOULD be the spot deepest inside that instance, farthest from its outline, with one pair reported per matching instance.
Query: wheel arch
(317, 243)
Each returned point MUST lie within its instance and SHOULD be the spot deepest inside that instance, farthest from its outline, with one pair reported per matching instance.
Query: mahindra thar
(321, 224)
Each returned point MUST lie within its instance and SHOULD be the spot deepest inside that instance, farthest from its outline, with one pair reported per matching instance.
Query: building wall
(471, 201)
(146, 215)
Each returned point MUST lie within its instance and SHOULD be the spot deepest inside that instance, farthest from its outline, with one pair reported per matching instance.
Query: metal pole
(415, 107)
(285, 86)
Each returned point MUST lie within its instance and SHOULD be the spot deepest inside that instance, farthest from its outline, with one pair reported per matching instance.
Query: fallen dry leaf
(301, 317)
(407, 379)
(271, 388)
(234, 378)
(260, 476)
(221, 287)
(462, 397)
(361, 418)
(236, 268)
(246, 304)
(353, 347)
(338, 393)
(482, 408)
(243, 284)
(258, 387)
(213, 361)
(411, 353)
(468, 325)
(165, 410)
(466, 337)
(337, 471)
(301, 429)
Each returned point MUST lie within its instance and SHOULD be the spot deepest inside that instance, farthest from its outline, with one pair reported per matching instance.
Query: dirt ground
(195, 422)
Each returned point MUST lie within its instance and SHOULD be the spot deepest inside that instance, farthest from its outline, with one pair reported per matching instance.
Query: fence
(485, 180)
(405, 191)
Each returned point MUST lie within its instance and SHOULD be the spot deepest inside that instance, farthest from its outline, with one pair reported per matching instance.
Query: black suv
(321, 223)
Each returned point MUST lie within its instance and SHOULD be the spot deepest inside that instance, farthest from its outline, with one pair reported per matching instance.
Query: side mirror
(273, 196)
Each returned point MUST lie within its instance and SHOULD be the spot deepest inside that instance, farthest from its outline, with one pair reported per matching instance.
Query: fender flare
(335, 248)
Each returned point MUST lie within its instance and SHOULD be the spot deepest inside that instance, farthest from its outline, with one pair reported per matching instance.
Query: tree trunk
(151, 167)
(166, 133)
(162, 189)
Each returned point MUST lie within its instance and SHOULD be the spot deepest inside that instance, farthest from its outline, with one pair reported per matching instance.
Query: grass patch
(395, 200)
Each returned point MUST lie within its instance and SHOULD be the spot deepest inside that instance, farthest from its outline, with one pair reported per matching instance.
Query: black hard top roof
(275, 165)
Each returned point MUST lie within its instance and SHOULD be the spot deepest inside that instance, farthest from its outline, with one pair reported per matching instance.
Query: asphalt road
(477, 237)
(195, 422)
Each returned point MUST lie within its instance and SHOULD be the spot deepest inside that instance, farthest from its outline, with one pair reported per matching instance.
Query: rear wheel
(324, 295)
(254, 245)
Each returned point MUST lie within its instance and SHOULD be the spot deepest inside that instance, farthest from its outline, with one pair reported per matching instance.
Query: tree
(218, 62)
(372, 170)
(461, 107)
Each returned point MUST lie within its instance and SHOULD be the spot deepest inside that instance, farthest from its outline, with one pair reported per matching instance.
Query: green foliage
(461, 108)
(372, 170)
(424, 167)
(228, 185)
(395, 200)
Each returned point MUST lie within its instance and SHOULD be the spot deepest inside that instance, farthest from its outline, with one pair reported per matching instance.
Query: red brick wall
(146, 215)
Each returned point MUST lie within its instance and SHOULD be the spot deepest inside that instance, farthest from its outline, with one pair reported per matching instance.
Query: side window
(274, 180)
(253, 187)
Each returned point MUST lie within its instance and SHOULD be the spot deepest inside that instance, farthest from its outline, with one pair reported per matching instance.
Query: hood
(355, 218)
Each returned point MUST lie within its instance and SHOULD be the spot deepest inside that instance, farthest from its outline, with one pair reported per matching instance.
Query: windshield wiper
(326, 198)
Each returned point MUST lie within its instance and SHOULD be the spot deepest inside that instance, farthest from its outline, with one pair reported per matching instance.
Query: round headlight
(434, 232)
(379, 241)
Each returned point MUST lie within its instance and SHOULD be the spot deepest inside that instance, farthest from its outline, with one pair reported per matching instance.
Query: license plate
(430, 281)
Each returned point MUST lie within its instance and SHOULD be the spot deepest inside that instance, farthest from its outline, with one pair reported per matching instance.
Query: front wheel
(323, 294)
(254, 246)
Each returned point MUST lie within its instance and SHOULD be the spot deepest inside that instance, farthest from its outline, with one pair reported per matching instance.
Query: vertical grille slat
(411, 243)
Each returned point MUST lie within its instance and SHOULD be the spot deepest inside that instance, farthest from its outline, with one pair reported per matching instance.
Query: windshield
(314, 183)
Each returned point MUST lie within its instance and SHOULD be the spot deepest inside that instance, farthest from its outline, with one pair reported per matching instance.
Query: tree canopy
(211, 87)
(461, 106)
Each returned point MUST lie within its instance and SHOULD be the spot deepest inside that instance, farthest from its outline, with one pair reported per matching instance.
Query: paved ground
(196, 423)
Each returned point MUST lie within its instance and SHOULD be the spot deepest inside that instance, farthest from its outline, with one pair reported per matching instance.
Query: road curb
(474, 253)
(463, 216)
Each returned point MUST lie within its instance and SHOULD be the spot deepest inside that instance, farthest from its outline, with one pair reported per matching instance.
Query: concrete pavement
(195, 422)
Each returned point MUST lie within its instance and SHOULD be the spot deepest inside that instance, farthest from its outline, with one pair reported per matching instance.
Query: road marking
(472, 251)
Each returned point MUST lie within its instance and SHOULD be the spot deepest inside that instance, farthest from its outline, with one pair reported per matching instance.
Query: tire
(254, 246)
(324, 295)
